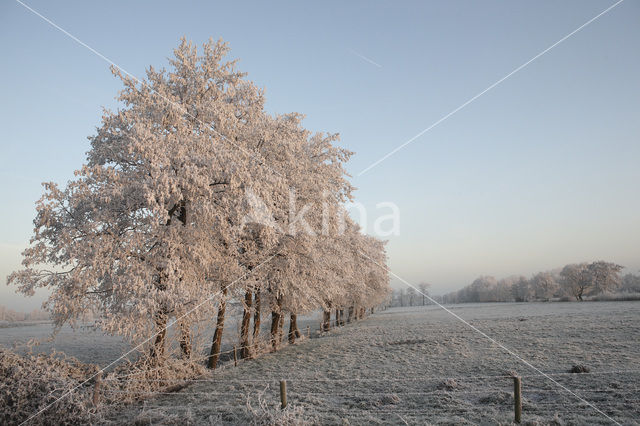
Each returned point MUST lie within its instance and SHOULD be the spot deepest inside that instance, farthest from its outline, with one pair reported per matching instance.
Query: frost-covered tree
(411, 295)
(145, 230)
(504, 291)
(482, 289)
(313, 169)
(424, 291)
(605, 276)
(593, 278)
(630, 283)
(161, 218)
(575, 280)
(521, 289)
(401, 295)
(544, 285)
(371, 259)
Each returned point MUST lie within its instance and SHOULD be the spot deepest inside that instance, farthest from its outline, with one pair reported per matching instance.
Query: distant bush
(9, 315)
(579, 368)
(615, 297)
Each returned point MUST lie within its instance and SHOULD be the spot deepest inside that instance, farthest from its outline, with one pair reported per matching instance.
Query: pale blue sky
(541, 171)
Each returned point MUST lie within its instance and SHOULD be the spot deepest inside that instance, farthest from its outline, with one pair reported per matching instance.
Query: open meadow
(421, 365)
(210, 208)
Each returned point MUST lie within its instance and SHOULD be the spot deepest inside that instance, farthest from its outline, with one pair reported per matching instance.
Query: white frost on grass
(93, 346)
(421, 365)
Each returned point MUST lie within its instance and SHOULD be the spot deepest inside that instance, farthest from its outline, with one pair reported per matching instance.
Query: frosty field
(420, 365)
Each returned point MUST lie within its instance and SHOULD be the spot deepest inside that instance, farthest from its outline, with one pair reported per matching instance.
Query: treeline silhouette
(10, 315)
(597, 280)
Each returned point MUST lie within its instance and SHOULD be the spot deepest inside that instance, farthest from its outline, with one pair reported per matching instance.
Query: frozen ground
(420, 365)
(408, 365)
(85, 344)
(93, 346)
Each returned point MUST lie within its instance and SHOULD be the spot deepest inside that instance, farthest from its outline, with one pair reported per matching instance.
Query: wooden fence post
(235, 357)
(308, 332)
(517, 398)
(96, 389)
(283, 394)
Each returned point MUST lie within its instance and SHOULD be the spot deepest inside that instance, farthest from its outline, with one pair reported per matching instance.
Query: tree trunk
(281, 327)
(256, 318)
(337, 317)
(326, 320)
(350, 312)
(185, 332)
(296, 330)
(157, 350)
(185, 340)
(214, 355)
(293, 328)
(245, 349)
(276, 323)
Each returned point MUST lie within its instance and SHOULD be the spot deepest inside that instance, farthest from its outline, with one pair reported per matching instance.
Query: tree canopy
(161, 218)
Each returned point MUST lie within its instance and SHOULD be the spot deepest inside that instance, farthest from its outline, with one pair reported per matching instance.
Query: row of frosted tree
(411, 296)
(9, 315)
(193, 197)
(574, 281)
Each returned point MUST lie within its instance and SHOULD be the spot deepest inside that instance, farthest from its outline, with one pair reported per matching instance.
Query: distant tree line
(7, 314)
(411, 296)
(575, 281)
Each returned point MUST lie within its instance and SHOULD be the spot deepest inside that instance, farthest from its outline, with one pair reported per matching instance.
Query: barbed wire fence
(413, 397)
(352, 394)
(416, 396)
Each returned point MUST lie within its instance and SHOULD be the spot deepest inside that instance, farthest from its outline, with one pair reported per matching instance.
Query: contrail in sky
(364, 58)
